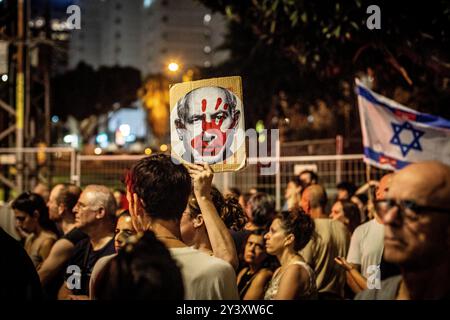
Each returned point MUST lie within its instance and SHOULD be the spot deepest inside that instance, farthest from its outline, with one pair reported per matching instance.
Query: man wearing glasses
(416, 215)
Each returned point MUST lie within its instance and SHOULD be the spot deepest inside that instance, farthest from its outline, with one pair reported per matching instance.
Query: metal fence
(55, 165)
(108, 170)
(46, 165)
(331, 169)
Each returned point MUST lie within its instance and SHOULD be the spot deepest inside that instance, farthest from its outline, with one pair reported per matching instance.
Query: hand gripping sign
(207, 123)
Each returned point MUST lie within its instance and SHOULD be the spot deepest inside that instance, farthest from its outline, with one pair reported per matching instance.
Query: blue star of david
(404, 147)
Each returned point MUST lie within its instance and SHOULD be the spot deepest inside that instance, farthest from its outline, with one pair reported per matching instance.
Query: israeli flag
(394, 135)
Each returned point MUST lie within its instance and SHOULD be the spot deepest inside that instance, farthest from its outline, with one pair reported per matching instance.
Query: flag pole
(370, 196)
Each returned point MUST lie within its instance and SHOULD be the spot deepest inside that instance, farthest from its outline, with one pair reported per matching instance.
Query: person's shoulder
(327, 224)
(81, 245)
(329, 227)
(264, 274)
(105, 259)
(387, 291)
(211, 263)
(336, 224)
(362, 228)
(217, 263)
(75, 235)
(102, 262)
(48, 241)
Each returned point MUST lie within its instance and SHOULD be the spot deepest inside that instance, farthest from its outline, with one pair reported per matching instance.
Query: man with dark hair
(260, 210)
(331, 240)
(145, 270)
(95, 215)
(62, 200)
(308, 178)
(158, 191)
(416, 217)
(207, 119)
(345, 190)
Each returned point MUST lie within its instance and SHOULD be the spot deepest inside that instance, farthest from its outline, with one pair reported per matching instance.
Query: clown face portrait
(205, 122)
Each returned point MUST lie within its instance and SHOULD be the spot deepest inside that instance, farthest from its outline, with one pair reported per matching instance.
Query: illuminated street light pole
(20, 95)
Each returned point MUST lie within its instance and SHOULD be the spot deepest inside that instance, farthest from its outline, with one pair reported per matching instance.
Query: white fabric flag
(394, 135)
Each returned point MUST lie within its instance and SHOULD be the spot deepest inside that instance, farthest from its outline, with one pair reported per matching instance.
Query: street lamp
(173, 67)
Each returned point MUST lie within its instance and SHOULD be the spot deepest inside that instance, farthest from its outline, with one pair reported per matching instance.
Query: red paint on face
(203, 105)
(219, 101)
(210, 147)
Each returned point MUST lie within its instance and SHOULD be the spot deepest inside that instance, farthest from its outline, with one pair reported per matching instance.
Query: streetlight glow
(163, 147)
(173, 67)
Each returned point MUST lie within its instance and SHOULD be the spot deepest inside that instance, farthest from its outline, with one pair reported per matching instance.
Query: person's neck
(67, 223)
(429, 284)
(99, 236)
(202, 242)
(287, 256)
(167, 231)
(37, 231)
(377, 218)
(318, 213)
(254, 268)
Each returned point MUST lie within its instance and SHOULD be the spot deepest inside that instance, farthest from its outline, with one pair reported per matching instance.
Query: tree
(83, 92)
(311, 51)
(154, 94)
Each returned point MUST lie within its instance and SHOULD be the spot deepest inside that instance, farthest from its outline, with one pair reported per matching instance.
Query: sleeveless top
(33, 252)
(245, 282)
(309, 294)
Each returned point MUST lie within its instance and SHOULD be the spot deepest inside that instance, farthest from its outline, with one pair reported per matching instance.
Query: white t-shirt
(366, 245)
(331, 239)
(205, 277)
(98, 267)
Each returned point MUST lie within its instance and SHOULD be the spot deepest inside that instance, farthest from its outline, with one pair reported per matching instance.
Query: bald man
(416, 215)
(62, 200)
(332, 240)
(95, 215)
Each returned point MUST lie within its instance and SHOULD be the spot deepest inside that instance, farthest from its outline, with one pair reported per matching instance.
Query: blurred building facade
(147, 34)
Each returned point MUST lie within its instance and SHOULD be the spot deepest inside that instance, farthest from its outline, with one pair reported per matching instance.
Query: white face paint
(208, 130)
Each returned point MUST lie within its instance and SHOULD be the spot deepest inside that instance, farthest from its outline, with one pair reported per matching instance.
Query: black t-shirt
(75, 235)
(18, 277)
(85, 258)
(51, 289)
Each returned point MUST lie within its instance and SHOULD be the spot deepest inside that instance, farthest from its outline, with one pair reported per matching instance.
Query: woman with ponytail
(32, 218)
(289, 232)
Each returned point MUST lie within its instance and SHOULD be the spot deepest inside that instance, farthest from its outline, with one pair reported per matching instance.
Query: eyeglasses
(408, 209)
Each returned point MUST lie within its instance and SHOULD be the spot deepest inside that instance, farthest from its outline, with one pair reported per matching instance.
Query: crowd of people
(173, 235)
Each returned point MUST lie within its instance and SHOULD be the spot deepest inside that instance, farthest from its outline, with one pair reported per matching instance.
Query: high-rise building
(85, 43)
(180, 31)
(147, 34)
